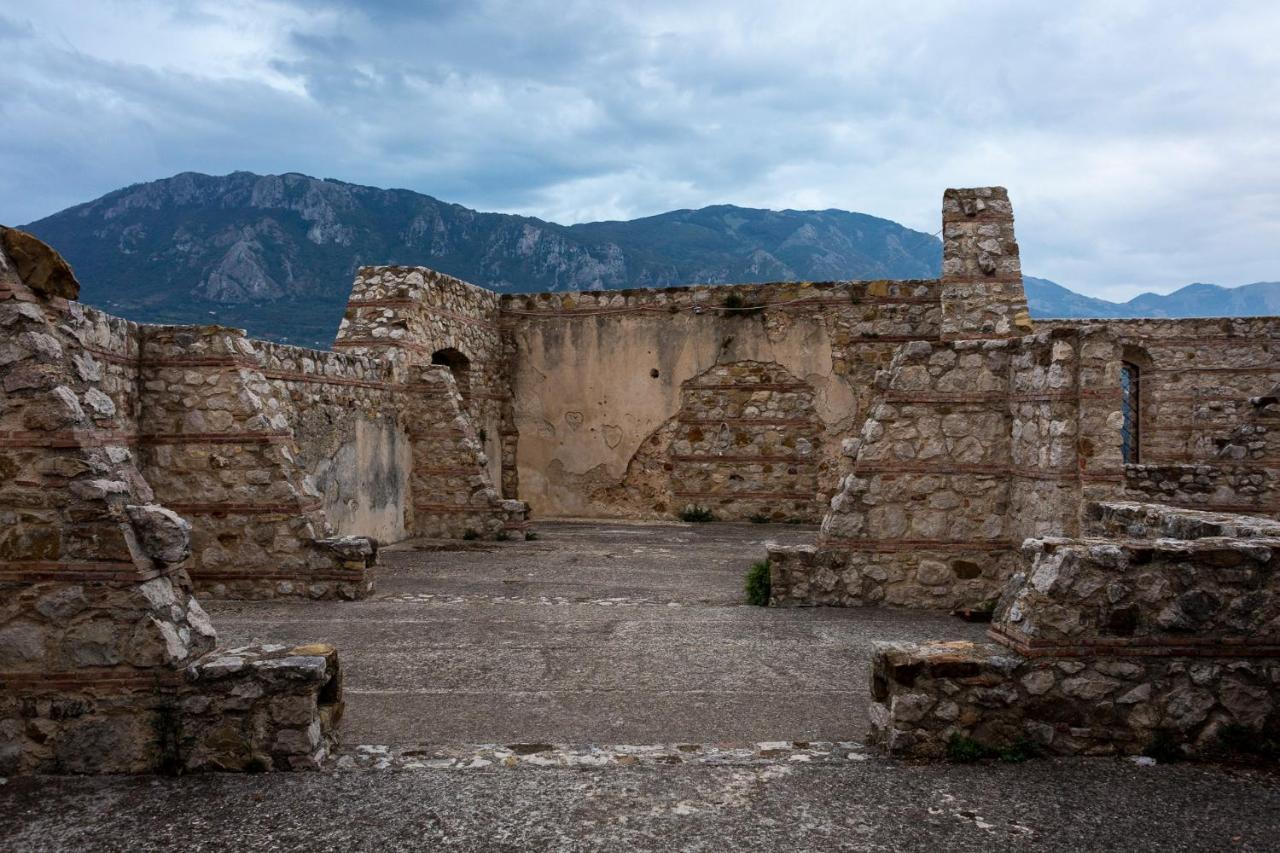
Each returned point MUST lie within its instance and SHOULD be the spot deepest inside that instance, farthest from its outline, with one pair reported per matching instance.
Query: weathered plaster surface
(586, 397)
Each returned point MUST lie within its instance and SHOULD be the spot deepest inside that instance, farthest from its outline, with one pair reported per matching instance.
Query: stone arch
(459, 365)
(746, 444)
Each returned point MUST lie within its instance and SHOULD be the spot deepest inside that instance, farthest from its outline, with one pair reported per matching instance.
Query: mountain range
(276, 254)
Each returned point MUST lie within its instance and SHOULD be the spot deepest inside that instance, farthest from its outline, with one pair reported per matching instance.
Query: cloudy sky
(1140, 141)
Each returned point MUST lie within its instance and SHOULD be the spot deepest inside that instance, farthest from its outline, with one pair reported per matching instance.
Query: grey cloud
(1134, 139)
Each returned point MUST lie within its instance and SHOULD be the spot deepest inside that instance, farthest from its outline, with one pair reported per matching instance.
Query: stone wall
(98, 620)
(344, 412)
(610, 392)
(1106, 645)
(1044, 414)
(1209, 438)
(981, 292)
(219, 448)
(443, 336)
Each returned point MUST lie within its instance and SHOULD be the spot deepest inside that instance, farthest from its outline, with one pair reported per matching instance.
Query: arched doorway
(459, 365)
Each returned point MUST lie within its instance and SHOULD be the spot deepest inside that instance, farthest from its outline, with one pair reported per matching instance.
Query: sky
(1140, 141)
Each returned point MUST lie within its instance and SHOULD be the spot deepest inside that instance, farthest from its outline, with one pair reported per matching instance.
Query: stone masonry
(1106, 645)
(928, 424)
(100, 630)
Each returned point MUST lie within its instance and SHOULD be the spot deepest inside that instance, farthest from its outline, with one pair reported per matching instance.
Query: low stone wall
(1105, 646)
(260, 707)
(1170, 595)
(924, 695)
(1226, 486)
(1131, 520)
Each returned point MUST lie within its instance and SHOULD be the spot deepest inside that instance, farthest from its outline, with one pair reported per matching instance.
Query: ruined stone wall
(219, 447)
(922, 519)
(981, 289)
(1047, 411)
(461, 441)
(641, 403)
(1107, 644)
(420, 312)
(1207, 440)
(345, 415)
(99, 628)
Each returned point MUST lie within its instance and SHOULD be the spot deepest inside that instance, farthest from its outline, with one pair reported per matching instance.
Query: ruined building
(1104, 487)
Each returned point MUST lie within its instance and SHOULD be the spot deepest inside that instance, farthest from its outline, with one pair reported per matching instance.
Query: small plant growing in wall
(470, 534)
(758, 518)
(530, 536)
(758, 586)
(696, 514)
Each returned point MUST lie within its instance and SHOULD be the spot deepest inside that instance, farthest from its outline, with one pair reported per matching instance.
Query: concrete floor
(595, 639)
(594, 633)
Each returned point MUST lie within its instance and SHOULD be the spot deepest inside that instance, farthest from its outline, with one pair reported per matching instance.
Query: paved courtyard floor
(606, 686)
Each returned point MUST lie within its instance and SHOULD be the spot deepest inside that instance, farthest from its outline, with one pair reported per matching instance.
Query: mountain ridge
(276, 254)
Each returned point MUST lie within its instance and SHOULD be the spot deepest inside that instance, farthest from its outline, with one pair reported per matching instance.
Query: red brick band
(782, 496)
(792, 460)
(893, 545)
(215, 438)
(762, 386)
(228, 508)
(66, 438)
(748, 421)
(321, 379)
(1234, 647)
(126, 359)
(455, 508)
(40, 571)
(95, 679)
(301, 575)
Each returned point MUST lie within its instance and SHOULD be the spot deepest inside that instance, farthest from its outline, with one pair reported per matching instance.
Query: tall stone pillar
(982, 294)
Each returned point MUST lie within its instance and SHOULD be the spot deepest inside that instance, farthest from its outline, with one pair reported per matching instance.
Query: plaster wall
(596, 376)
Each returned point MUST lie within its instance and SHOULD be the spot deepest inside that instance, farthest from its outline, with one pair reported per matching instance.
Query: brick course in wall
(99, 624)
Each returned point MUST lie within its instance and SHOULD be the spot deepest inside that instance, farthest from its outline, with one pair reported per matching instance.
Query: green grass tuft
(964, 750)
(470, 534)
(530, 536)
(758, 585)
(758, 518)
(1018, 751)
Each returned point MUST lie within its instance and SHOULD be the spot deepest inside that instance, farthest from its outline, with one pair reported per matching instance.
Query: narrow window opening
(1131, 408)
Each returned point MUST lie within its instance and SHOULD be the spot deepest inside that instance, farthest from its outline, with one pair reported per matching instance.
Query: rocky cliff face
(277, 253)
